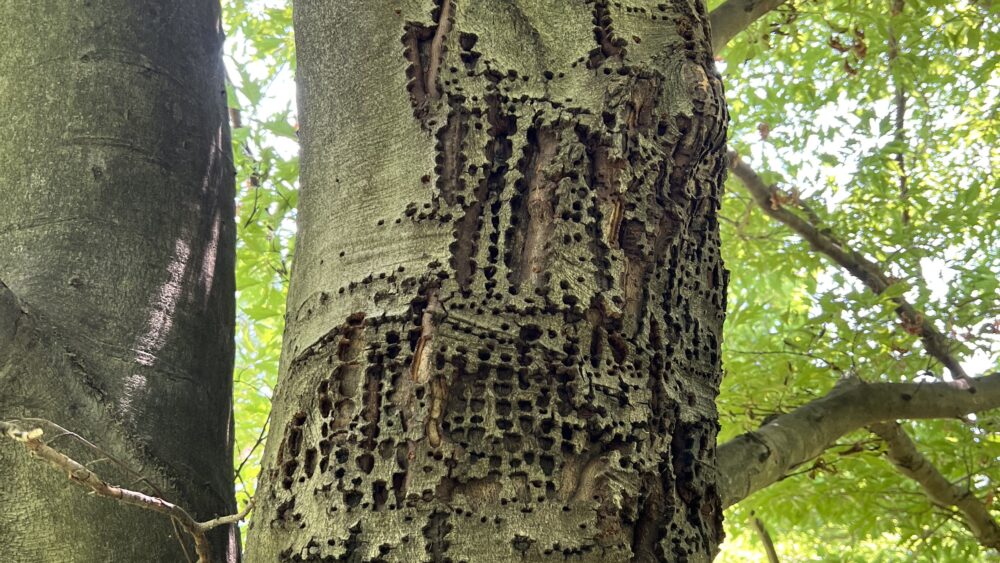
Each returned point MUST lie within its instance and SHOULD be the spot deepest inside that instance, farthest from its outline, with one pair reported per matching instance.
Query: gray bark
(730, 18)
(116, 316)
(757, 459)
(903, 454)
(506, 305)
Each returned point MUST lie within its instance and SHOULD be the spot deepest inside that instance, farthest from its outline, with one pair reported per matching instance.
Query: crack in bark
(498, 152)
(539, 208)
(442, 25)
(423, 47)
(608, 46)
(450, 158)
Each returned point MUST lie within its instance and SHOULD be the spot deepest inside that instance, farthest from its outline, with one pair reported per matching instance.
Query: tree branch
(79, 474)
(731, 17)
(765, 538)
(759, 458)
(772, 201)
(909, 461)
(899, 99)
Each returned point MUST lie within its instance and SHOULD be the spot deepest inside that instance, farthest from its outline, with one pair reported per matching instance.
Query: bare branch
(765, 538)
(731, 17)
(899, 99)
(759, 458)
(226, 520)
(79, 474)
(260, 440)
(909, 461)
(772, 201)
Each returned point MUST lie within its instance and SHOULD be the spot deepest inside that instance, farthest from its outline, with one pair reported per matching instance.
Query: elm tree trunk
(116, 301)
(506, 305)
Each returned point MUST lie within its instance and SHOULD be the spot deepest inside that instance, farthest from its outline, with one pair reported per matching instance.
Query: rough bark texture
(506, 308)
(118, 242)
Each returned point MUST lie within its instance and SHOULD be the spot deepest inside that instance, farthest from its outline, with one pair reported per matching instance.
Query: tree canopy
(860, 227)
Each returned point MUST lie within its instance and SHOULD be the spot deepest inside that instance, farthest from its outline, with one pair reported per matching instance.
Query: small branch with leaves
(778, 205)
(31, 438)
(903, 454)
(814, 425)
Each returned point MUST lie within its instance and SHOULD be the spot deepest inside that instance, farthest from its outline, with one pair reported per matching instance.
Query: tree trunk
(507, 300)
(118, 251)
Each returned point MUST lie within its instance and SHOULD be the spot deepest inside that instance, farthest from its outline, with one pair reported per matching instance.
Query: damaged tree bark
(507, 302)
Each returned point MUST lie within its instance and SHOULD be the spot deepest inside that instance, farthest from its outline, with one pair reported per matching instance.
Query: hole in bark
(530, 333)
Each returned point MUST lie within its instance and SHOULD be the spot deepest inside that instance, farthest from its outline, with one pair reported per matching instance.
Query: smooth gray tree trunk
(507, 299)
(117, 230)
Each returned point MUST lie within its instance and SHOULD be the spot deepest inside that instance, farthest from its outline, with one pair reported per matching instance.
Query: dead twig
(81, 475)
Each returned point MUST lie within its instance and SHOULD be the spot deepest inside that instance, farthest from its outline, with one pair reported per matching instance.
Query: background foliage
(814, 90)
(260, 56)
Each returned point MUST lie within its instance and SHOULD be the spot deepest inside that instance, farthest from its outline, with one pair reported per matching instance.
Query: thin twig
(260, 440)
(774, 201)
(765, 538)
(903, 454)
(899, 100)
(80, 475)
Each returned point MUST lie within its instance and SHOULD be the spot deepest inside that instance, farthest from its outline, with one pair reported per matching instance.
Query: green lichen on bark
(506, 309)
